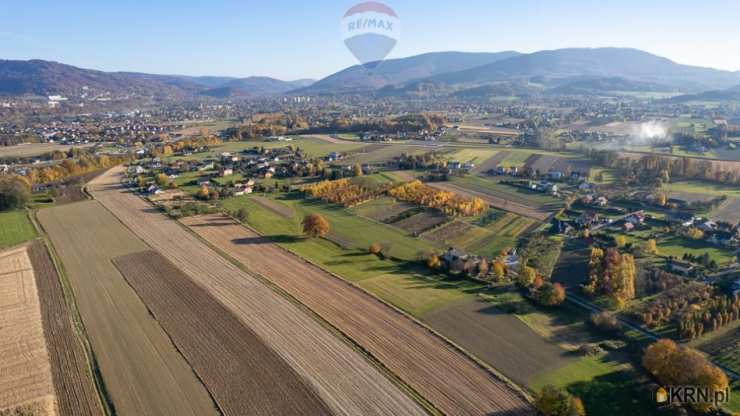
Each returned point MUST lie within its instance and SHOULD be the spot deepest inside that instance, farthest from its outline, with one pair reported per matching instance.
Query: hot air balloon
(370, 30)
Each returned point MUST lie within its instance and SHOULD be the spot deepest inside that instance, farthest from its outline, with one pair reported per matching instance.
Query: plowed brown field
(76, 394)
(447, 378)
(347, 382)
(239, 370)
(25, 373)
(144, 374)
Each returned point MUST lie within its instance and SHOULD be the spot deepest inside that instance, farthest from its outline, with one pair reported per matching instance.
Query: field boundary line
(478, 362)
(413, 394)
(104, 399)
(416, 396)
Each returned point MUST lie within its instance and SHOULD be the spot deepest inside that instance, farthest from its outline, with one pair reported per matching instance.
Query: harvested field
(274, 206)
(453, 231)
(343, 378)
(541, 163)
(75, 389)
(417, 224)
(492, 162)
(729, 211)
(494, 201)
(25, 372)
(448, 379)
(202, 328)
(382, 209)
(141, 368)
(498, 338)
(36, 149)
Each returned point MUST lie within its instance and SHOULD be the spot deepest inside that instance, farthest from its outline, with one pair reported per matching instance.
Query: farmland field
(382, 209)
(449, 380)
(274, 206)
(724, 348)
(343, 377)
(479, 327)
(348, 230)
(376, 154)
(37, 149)
(473, 155)
(492, 162)
(15, 228)
(487, 240)
(421, 222)
(141, 368)
(73, 383)
(729, 211)
(500, 197)
(418, 295)
(203, 329)
(25, 371)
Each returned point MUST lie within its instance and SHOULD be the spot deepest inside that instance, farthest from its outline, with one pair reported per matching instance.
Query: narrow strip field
(143, 372)
(345, 380)
(239, 370)
(494, 201)
(76, 394)
(447, 378)
(26, 386)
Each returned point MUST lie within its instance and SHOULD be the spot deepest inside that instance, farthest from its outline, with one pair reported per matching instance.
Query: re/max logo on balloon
(370, 31)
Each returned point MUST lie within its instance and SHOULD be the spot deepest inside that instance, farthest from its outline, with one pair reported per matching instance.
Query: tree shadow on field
(615, 394)
(273, 239)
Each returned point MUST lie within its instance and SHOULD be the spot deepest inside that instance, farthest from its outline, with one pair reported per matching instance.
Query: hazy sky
(302, 39)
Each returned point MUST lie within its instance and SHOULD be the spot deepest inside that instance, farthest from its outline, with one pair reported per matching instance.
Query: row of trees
(657, 169)
(447, 202)
(86, 163)
(611, 274)
(344, 191)
(715, 314)
(673, 365)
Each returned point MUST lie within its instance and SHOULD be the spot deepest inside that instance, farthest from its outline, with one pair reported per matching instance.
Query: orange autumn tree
(674, 365)
(315, 225)
(445, 201)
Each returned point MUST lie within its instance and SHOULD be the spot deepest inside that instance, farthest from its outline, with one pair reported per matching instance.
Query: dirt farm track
(450, 380)
(343, 378)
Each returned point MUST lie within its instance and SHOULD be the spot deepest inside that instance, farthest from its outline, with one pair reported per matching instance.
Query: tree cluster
(444, 201)
(15, 192)
(553, 401)
(611, 274)
(678, 366)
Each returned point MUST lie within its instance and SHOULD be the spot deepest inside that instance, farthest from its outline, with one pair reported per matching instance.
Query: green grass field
(15, 228)
(705, 188)
(357, 232)
(476, 156)
(398, 283)
(606, 384)
(418, 294)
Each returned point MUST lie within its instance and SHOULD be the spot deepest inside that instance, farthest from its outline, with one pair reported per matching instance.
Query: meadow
(15, 228)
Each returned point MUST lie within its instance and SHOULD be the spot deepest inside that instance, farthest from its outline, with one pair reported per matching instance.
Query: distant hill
(42, 78)
(596, 86)
(255, 86)
(399, 71)
(628, 64)
(731, 94)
